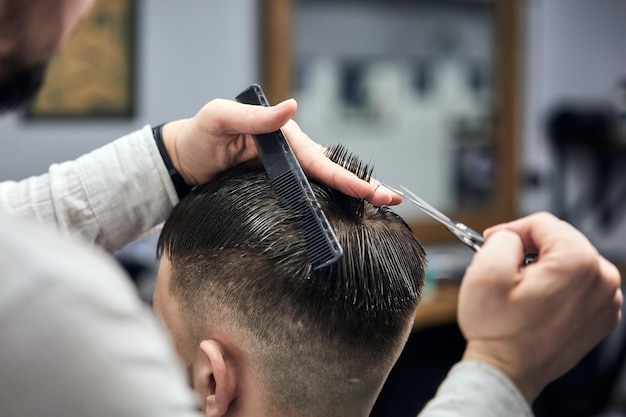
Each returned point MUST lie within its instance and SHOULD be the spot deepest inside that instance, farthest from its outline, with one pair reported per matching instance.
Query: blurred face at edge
(31, 32)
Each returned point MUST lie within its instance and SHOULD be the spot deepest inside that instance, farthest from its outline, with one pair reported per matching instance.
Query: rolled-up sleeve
(110, 196)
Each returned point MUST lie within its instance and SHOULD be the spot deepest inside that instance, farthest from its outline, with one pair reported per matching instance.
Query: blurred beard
(20, 86)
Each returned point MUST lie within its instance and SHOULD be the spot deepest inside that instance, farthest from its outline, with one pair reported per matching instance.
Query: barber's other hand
(536, 322)
(219, 136)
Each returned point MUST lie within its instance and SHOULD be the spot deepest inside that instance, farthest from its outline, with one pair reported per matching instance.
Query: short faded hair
(318, 338)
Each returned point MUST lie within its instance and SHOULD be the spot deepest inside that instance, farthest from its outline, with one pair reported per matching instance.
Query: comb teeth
(293, 189)
(320, 241)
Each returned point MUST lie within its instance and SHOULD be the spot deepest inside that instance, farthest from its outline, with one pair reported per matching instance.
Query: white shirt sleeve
(477, 389)
(110, 196)
(75, 339)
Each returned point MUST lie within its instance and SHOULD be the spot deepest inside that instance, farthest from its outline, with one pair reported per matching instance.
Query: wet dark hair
(232, 243)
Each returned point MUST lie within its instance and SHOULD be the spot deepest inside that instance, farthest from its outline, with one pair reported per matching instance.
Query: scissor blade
(468, 236)
(428, 209)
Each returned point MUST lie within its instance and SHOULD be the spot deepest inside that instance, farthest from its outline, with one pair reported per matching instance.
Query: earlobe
(219, 385)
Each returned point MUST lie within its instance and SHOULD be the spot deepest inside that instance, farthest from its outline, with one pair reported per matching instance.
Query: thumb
(230, 117)
(498, 262)
(487, 285)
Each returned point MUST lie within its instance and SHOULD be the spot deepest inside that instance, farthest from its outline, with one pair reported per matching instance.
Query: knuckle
(207, 111)
(588, 261)
(211, 104)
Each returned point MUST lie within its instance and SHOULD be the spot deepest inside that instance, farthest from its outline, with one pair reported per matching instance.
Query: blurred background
(488, 109)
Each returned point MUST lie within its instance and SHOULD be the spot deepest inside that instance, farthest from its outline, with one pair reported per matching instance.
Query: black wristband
(181, 187)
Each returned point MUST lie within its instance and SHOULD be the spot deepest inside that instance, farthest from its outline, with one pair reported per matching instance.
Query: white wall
(187, 53)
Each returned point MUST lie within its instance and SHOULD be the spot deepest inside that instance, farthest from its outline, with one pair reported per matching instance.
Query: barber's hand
(219, 137)
(536, 322)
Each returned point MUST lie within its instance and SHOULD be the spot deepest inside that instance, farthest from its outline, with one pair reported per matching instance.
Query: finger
(541, 231)
(610, 272)
(529, 246)
(233, 118)
(318, 166)
(610, 298)
(230, 117)
(498, 262)
(487, 284)
(528, 225)
(396, 195)
(614, 281)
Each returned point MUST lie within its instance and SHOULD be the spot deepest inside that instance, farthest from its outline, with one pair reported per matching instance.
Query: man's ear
(214, 379)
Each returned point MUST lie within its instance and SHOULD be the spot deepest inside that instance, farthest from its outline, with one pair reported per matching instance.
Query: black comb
(293, 189)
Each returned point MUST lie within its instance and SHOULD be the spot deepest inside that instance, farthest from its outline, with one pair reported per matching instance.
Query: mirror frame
(276, 38)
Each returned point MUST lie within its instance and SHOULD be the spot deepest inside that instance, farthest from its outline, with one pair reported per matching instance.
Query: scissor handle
(476, 244)
(472, 242)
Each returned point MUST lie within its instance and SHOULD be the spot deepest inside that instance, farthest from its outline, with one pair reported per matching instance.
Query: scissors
(465, 234)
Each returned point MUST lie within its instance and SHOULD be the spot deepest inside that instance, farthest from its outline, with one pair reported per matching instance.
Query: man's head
(258, 327)
(31, 31)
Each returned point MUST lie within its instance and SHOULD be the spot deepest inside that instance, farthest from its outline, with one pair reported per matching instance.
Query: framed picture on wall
(93, 75)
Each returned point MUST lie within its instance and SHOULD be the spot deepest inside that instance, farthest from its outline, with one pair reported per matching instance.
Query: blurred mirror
(422, 89)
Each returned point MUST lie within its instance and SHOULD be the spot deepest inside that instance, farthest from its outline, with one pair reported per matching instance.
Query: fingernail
(388, 196)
